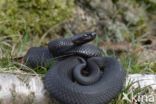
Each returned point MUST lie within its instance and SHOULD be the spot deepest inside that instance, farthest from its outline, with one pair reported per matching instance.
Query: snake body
(84, 76)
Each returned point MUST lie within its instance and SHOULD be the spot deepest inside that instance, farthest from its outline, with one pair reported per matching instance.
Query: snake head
(83, 38)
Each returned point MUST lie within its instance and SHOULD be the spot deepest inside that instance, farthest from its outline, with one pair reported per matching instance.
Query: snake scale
(83, 76)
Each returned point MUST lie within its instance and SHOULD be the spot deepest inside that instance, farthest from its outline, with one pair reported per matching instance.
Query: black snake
(84, 76)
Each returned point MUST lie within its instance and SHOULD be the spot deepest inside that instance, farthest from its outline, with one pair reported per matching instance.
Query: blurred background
(125, 28)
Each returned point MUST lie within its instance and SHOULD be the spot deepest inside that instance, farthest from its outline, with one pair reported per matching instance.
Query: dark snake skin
(84, 76)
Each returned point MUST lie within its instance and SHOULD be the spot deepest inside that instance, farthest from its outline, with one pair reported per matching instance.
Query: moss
(150, 5)
(32, 16)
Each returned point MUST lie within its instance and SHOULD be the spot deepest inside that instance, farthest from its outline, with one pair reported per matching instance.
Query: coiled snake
(84, 76)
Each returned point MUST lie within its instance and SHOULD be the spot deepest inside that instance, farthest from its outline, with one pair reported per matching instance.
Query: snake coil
(84, 76)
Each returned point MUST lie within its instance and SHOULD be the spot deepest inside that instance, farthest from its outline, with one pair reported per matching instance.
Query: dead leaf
(117, 47)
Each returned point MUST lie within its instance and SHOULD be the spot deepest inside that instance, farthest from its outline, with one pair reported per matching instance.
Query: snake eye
(85, 35)
(93, 34)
